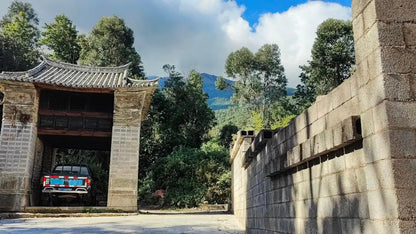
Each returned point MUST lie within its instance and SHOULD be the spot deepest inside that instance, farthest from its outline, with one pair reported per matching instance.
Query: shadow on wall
(306, 199)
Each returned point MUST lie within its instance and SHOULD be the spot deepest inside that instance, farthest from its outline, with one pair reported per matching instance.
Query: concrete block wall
(17, 144)
(312, 177)
(124, 162)
(239, 182)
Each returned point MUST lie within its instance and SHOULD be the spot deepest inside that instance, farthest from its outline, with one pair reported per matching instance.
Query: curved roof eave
(57, 73)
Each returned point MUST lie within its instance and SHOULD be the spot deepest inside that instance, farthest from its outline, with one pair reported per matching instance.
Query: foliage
(332, 56)
(260, 79)
(15, 9)
(191, 176)
(305, 93)
(245, 118)
(332, 62)
(111, 44)
(221, 84)
(61, 38)
(226, 134)
(238, 116)
(281, 123)
(179, 116)
(257, 121)
(18, 45)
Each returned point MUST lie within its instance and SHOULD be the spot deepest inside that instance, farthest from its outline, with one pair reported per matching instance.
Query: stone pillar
(17, 144)
(124, 160)
(385, 45)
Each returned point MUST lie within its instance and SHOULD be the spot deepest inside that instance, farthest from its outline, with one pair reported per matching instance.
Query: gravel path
(143, 223)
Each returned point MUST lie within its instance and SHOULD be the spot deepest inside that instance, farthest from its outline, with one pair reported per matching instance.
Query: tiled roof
(71, 75)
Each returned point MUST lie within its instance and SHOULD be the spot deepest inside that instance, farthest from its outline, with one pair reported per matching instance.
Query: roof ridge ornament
(141, 83)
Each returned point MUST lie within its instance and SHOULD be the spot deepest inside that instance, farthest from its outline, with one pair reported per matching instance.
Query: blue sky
(255, 8)
(200, 34)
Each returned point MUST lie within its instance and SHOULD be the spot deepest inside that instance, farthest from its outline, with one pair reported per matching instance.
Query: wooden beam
(76, 114)
(71, 89)
(42, 131)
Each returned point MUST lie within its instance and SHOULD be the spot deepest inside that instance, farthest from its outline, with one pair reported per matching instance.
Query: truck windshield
(72, 170)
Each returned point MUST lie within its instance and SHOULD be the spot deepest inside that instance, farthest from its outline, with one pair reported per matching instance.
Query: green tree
(220, 83)
(271, 72)
(111, 44)
(189, 116)
(61, 38)
(332, 56)
(18, 45)
(226, 134)
(240, 66)
(14, 10)
(260, 79)
(305, 93)
(179, 116)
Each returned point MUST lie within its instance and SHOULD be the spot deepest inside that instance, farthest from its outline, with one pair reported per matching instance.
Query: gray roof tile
(71, 75)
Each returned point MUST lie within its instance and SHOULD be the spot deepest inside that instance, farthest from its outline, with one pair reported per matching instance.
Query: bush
(192, 176)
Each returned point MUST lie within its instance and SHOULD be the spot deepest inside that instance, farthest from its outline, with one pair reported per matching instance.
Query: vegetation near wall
(190, 176)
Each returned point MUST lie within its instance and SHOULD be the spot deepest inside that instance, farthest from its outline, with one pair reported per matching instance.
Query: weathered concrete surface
(302, 182)
(126, 224)
(17, 144)
(124, 162)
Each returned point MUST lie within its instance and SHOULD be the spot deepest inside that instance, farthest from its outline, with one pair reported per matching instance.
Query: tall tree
(332, 62)
(240, 66)
(305, 93)
(111, 44)
(189, 116)
(61, 38)
(18, 45)
(179, 116)
(14, 10)
(260, 78)
(332, 56)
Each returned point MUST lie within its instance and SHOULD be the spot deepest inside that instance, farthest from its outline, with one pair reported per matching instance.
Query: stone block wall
(239, 182)
(17, 144)
(124, 162)
(347, 164)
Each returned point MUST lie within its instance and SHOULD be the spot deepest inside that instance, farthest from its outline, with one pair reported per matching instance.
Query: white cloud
(199, 34)
(294, 32)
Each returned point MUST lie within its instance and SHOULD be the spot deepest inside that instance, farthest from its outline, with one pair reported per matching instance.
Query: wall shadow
(308, 198)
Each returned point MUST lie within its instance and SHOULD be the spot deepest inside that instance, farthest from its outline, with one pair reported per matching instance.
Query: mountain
(217, 99)
(290, 91)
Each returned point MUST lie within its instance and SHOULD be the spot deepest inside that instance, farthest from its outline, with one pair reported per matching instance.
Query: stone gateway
(60, 105)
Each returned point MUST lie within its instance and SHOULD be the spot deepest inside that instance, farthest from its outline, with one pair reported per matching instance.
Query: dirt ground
(142, 223)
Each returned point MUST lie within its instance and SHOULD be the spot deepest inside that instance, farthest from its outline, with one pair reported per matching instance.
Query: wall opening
(75, 128)
(358, 126)
(97, 161)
